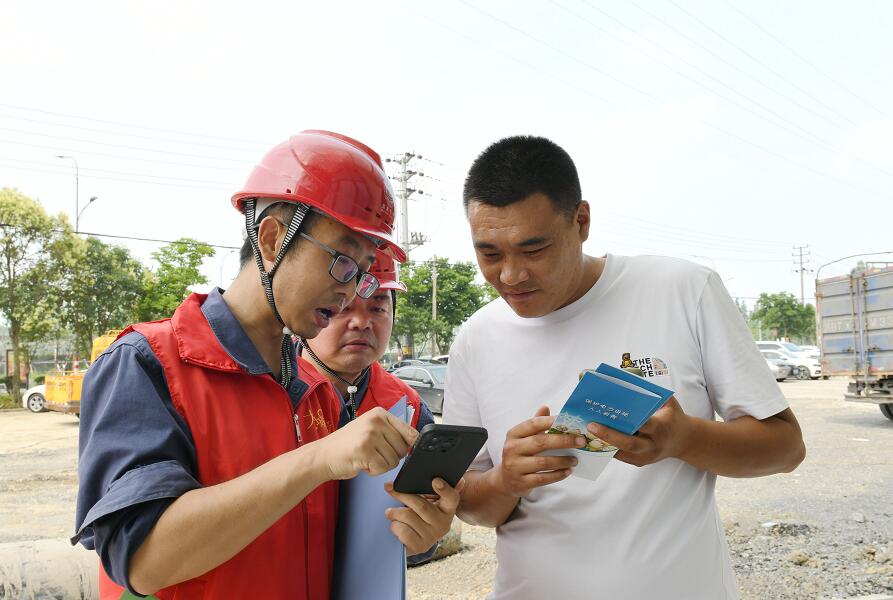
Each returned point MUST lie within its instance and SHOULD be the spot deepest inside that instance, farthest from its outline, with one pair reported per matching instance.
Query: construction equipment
(63, 388)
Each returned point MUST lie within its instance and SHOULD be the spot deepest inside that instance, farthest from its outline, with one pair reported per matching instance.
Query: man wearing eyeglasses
(347, 353)
(209, 450)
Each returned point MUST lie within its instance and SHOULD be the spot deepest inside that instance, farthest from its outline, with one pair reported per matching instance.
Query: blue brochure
(611, 397)
(370, 562)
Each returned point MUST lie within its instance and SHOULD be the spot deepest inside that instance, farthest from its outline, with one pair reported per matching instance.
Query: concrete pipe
(48, 570)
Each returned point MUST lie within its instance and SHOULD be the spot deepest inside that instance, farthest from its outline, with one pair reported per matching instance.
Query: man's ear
(583, 220)
(269, 238)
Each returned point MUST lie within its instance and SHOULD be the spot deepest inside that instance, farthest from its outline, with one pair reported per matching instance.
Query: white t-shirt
(635, 533)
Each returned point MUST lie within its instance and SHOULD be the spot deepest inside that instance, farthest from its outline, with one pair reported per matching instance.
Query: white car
(812, 351)
(810, 368)
(35, 398)
(790, 348)
(779, 369)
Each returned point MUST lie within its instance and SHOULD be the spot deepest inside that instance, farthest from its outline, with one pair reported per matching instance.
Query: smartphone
(444, 451)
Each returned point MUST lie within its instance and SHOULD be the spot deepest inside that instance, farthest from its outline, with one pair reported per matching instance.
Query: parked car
(812, 351)
(808, 368)
(780, 369)
(406, 362)
(789, 347)
(35, 398)
(428, 380)
(443, 359)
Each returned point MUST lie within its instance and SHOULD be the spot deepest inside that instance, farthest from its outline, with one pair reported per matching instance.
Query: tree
(458, 297)
(34, 248)
(784, 313)
(179, 265)
(101, 291)
(742, 308)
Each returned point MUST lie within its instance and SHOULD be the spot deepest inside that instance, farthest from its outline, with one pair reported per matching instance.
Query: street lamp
(846, 257)
(77, 219)
(76, 188)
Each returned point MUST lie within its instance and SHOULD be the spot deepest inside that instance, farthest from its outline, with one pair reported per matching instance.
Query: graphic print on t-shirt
(646, 366)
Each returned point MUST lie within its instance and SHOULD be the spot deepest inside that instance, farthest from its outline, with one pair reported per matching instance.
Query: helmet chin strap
(286, 374)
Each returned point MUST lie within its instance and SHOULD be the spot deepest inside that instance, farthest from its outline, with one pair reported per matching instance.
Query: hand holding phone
(444, 451)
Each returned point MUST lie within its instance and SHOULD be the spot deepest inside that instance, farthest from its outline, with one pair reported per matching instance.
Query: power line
(82, 169)
(804, 59)
(142, 149)
(640, 248)
(125, 134)
(141, 239)
(706, 49)
(686, 62)
(767, 109)
(761, 63)
(179, 185)
(202, 135)
(129, 237)
(515, 59)
(664, 102)
(554, 48)
(637, 221)
(58, 150)
(667, 236)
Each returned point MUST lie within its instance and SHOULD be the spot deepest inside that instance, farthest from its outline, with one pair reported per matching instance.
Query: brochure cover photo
(611, 397)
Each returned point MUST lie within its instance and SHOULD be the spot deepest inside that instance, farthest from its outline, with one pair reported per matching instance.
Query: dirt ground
(824, 531)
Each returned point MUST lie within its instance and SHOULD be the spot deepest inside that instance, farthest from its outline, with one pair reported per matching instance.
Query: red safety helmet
(333, 174)
(385, 270)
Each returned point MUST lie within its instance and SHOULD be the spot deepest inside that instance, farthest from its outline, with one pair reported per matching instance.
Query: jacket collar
(208, 334)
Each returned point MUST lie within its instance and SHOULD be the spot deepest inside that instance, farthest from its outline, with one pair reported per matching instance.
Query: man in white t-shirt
(648, 527)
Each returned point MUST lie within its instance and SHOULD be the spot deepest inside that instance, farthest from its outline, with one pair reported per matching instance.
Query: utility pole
(408, 241)
(435, 348)
(799, 256)
(77, 178)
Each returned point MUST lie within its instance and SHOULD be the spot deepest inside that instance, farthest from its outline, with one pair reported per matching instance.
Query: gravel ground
(38, 475)
(822, 532)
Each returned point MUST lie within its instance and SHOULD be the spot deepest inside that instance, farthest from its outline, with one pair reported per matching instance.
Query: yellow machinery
(63, 392)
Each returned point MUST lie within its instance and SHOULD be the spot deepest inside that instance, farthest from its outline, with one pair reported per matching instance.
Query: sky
(726, 133)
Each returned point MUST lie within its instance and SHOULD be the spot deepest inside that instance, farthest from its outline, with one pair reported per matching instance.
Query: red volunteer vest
(385, 390)
(239, 422)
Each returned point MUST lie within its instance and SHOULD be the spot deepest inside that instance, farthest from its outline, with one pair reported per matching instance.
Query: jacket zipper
(306, 517)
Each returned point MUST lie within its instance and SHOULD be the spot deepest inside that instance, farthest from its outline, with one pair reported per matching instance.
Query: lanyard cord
(351, 386)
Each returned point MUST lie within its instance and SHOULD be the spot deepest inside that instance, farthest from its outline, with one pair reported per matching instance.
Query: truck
(855, 328)
(63, 388)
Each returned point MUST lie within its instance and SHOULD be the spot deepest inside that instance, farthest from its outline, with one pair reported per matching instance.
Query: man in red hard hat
(347, 352)
(209, 451)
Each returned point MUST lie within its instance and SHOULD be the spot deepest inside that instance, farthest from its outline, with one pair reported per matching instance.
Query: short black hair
(516, 167)
(283, 211)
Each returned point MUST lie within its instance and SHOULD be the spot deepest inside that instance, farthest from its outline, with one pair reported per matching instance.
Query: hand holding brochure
(611, 397)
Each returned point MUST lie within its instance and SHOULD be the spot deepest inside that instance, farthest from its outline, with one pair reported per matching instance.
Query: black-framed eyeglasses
(344, 268)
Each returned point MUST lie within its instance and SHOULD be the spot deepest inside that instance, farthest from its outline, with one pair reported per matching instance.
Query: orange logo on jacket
(318, 420)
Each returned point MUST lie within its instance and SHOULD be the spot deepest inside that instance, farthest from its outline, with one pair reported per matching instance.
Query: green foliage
(34, 252)
(6, 401)
(784, 313)
(742, 308)
(179, 265)
(100, 292)
(458, 297)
